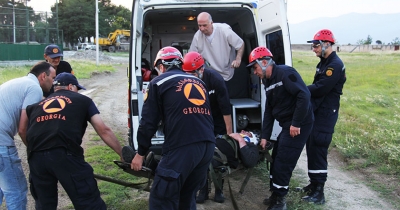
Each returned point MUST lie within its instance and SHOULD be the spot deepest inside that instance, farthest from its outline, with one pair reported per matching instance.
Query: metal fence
(26, 32)
(23, 26)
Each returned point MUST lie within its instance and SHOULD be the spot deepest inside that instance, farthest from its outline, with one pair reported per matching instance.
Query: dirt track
(344, 190)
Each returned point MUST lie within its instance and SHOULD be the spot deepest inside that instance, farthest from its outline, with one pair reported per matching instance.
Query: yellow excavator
(114, 40)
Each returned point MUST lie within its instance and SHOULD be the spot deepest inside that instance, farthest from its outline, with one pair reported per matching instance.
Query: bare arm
(23, 126)
(106, 134)
(239, 139)
(263, 143)
(228, 123)
(239, 54)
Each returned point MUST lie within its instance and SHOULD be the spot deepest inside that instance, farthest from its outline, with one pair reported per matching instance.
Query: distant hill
(350, 28)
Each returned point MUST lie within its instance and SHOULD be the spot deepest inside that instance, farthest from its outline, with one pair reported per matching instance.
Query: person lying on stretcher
(237, 148)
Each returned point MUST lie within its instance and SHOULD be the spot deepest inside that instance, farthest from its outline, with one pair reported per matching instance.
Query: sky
(297, 10)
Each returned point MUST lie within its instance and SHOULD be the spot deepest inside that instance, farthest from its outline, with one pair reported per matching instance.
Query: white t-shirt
(16, 95)
(219, 49)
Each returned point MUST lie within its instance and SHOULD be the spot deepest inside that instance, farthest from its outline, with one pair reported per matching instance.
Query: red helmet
(324, 35)
(167, 53)
(258, 52)
(192, 61)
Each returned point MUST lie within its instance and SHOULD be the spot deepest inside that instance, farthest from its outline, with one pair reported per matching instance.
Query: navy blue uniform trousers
(318, 144)
(75, 175)
(179, 175)
(285, 154)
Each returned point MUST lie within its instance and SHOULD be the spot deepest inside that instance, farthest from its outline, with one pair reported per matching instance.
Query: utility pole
(97, 32)
(58, 33)
(13, 5)
(27, 21)
(14, 20)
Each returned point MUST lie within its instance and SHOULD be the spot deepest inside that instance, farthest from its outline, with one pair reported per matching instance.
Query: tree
(122, 18)
(396, 41)
(360, 42)
(369, 40)
(42, 33)
(77, 18)
(378, 42)
(24, 18)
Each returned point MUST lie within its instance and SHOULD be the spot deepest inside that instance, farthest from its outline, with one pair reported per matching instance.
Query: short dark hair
(41, 67)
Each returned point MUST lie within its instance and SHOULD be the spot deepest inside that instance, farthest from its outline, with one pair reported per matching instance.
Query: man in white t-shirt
(218, 45)
(15, 96)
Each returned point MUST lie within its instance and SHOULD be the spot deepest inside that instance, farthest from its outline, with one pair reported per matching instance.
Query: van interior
(176, 27)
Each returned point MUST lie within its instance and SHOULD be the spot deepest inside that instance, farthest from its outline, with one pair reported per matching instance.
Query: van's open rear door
(134, 72)
(272, 21)
(274, 34)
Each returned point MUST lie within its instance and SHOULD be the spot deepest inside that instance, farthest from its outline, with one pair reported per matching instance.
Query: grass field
(367, 129)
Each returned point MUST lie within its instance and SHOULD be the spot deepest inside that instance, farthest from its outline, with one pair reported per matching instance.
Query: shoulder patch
(329, 71)
(145, 94)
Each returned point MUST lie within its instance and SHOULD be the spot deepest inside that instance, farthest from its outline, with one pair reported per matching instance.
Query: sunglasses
(315, 45)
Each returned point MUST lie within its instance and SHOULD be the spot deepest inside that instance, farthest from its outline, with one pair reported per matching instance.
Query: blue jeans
(13, 183)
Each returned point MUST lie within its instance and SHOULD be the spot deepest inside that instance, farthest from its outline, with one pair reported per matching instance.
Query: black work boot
(278, 204)
(307, 189)
(270, 199)
(219, 195)
(203, 194)
(317, 195)
(128, 153)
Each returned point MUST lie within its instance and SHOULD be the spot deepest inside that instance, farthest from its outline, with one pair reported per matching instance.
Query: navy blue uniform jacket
(328, 83)
(181, 101)
(219, 99)
(288, 100)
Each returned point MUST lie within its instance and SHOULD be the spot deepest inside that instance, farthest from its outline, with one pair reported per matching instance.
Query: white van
(160, 23)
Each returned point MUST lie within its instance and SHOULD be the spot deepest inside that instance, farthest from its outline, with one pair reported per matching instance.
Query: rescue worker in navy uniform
(52, 54)
(288, 102)
(56, 128)
(193, 63)
(181, 101)
(325, 91)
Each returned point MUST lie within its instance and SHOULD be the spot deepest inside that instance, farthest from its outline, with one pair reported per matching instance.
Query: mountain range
(350, 28)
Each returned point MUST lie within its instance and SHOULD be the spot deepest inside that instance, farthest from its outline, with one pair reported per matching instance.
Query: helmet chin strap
(158, 70)
(199, 75)
(323, 48)
(264, 68)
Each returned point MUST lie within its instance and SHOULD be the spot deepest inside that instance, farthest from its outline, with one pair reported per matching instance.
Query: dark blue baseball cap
(53, 51)
(64, 79)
